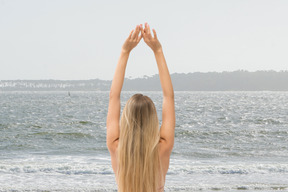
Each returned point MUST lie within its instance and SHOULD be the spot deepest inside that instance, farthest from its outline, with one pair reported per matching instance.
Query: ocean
(224, 141)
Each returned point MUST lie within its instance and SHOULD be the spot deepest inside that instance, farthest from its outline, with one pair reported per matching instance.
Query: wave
(235, 187)
(56, 168)
(247, 134)
(74, 168)
(188, 188)
(76, 135)
(186, 167)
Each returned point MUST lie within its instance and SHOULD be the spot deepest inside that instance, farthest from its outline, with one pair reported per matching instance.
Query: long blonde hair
(139, 168)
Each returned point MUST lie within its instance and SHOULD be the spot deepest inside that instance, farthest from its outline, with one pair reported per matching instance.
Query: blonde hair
(139, 168)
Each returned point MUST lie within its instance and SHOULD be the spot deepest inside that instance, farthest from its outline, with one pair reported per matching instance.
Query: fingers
(145, 33)
(131, 33)
(154, 32)
(141, 35)
(136, 33)
(147, 29)
(142, 29)
(149, 32)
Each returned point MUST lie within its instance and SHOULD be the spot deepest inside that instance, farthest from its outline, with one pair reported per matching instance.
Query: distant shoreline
(198, 81)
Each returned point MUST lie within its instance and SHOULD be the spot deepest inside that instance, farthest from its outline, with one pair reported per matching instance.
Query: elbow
(167, 147)
(112, 145)
(112, 95)
(169, 95)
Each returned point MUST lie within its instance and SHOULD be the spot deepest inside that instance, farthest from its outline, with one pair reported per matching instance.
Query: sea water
(224, 141)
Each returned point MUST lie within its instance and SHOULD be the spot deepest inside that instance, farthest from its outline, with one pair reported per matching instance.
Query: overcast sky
(82, 39)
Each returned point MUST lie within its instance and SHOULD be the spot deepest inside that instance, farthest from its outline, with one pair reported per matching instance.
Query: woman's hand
(132, 40)
(152, 42)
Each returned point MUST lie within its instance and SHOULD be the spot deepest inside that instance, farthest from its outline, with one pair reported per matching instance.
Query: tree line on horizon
(198, 81)
(216, 81)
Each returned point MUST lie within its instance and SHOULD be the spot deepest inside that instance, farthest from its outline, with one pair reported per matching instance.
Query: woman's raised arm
(168, 110)
(113, 115)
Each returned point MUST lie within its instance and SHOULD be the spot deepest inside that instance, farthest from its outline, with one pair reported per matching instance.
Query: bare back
(163, 156)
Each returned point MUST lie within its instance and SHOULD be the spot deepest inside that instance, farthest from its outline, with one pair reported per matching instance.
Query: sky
(82, 39)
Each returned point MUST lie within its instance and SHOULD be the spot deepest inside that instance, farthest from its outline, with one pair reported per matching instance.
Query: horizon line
(148, 76)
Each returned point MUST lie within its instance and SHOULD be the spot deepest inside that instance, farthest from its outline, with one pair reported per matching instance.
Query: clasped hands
(137, 34)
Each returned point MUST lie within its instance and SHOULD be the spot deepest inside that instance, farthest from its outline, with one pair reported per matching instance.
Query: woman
(140, 152)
